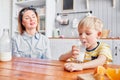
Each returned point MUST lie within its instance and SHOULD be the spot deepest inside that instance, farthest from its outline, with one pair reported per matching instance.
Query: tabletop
(38, 69)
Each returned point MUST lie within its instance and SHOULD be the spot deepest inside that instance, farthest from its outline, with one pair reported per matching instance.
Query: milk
(81, 55)
(5, 56)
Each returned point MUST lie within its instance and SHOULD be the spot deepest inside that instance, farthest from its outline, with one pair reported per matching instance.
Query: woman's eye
(26, 18)
(33, 16)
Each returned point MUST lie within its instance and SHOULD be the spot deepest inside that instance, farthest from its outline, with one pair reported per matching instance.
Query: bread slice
(87, 76)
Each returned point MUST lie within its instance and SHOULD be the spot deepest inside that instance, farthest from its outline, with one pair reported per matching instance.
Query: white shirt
(36, 46)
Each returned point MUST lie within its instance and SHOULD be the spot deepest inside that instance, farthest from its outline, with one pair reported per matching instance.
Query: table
(38, 69)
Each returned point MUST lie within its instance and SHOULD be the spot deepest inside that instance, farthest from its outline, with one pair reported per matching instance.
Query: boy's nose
(83, 35)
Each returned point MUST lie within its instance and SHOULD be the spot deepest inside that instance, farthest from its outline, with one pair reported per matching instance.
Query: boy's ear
(99, 34)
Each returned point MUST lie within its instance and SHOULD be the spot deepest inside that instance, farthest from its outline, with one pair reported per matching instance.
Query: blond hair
(91, 22)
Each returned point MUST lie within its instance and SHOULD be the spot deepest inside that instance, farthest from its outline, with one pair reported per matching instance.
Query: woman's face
(29, 20)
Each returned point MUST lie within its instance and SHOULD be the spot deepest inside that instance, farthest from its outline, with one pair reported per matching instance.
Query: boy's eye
(88, 33)
(80, 34)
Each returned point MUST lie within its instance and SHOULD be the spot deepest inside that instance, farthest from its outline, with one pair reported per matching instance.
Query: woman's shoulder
(16, 35)
(42, 40)
(42, 36)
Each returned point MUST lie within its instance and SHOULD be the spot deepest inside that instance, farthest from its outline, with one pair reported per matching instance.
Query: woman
(29, 42)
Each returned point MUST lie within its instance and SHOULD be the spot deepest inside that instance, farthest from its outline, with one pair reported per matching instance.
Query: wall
(61, 46)
(5, 15)
(50, 17)
(103, 9)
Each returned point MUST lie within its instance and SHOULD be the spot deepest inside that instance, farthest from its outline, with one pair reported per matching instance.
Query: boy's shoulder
(103, 45)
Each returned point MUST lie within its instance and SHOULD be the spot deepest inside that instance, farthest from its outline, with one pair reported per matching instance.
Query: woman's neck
(31, 32)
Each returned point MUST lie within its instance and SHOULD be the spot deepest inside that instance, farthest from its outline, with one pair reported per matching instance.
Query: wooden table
(34, 69)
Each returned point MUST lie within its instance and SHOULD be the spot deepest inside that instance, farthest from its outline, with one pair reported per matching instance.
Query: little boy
(97, 53)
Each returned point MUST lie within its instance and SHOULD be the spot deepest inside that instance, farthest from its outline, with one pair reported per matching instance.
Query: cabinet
(46, 14)
(113, 3)
(116, 52)
(115, 48)
(60, 46)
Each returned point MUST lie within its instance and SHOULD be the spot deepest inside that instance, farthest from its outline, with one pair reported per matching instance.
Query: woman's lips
(32, 23)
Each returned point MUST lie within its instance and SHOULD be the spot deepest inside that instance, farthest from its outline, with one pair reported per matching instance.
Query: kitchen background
(106, 10)
(5, 15)
(103, 9)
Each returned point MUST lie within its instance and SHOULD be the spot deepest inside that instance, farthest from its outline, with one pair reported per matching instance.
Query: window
(68, 4)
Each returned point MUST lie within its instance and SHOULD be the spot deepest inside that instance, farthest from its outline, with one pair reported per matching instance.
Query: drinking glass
(80, 57)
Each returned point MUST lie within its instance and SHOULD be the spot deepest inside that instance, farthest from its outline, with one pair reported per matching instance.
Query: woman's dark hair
(21, 28)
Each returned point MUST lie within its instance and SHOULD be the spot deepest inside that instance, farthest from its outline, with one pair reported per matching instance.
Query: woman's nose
(31, 19)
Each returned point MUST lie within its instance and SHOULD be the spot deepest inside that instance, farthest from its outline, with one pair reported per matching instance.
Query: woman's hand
(73, 67)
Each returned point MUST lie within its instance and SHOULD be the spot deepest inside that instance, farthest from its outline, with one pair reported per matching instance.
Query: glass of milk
(82, 49)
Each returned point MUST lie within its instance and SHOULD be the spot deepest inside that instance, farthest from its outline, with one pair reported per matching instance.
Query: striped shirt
(103, 49)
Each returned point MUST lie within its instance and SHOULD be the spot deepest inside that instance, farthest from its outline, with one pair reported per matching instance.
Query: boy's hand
(73, 67)
(75, 51)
